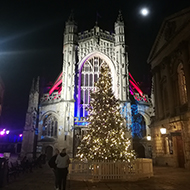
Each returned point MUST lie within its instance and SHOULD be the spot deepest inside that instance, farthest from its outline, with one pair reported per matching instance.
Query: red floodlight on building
(134, 87)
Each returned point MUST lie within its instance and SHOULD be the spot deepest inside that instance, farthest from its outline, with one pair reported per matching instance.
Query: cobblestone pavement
(165, 178)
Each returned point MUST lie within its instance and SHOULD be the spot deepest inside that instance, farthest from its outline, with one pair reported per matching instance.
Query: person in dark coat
(62, 162)
(53, 165)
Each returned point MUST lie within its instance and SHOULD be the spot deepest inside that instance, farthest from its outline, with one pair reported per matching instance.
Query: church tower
(122, 68)
(121, 59)
(69, 59)
(68, 81)
(31, 125)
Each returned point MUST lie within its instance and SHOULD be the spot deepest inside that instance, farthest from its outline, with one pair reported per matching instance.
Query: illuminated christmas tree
(105, 138)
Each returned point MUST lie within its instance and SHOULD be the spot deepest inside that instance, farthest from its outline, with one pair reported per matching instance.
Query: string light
(106, 137)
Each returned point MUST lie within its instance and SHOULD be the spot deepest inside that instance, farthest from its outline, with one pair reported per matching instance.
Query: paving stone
(165, 178)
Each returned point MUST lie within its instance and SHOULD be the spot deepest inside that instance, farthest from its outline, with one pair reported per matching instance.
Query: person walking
(53, 165)
(62, 162)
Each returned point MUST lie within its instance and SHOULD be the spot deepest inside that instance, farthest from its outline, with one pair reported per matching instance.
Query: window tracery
(89, 76)
(49, 126)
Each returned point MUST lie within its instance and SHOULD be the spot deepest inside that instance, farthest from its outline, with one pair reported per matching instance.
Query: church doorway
(180, 152)
(139, 149)
(49, 152)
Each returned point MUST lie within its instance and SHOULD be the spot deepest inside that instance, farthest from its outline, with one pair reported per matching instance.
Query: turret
(70, 34)
(32, 87)
(121, 59)
(68, 80)
(31, 120)
(37, 86)
(119, 30)
(69, 61)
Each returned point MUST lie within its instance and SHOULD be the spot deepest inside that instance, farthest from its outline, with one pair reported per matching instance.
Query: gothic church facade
(56, 119)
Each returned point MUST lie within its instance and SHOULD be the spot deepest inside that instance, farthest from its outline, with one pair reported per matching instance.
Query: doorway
(139, 149)
(180, 151)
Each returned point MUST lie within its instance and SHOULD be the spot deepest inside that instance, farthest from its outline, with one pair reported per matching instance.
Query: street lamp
(148, 138)
(163, 130)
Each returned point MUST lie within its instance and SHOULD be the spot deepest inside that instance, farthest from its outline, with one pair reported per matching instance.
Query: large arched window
(182, 85)
(49, 126)
(89, 75)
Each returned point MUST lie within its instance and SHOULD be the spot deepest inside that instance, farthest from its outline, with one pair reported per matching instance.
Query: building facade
(57, 118)
(170, 63)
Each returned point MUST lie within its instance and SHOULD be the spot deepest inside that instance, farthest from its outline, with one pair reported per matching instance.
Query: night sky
(31, 38)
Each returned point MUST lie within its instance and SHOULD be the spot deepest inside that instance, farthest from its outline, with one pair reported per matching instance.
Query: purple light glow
(2, 133)
(79, 87)
(20, 135)
(131, 92)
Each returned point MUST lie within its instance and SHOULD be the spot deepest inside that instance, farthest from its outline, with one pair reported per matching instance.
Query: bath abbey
(56, 119)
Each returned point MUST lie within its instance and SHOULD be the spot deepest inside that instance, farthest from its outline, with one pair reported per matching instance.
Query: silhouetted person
(43, 158)
(53, 165)
(39, 160)
(62, 162)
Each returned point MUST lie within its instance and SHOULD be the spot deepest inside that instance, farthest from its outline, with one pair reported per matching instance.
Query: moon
(144, 11)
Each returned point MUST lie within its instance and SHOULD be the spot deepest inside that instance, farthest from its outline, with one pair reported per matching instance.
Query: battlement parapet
(54, 97)
(142, 99)
(102, 34)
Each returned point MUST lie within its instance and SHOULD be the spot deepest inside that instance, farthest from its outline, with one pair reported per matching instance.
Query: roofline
(161, 30)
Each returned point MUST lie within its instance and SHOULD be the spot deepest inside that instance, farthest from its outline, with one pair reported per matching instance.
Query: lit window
(182, 85)
(91, 78)
(86, 80)
(86, 97)
(89, 75)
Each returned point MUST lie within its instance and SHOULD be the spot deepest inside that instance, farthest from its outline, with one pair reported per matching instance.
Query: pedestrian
(62, 162)
(43, 158)
(53, 165)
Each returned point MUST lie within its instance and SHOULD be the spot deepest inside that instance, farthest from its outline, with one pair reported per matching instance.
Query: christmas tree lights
(106, 137)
